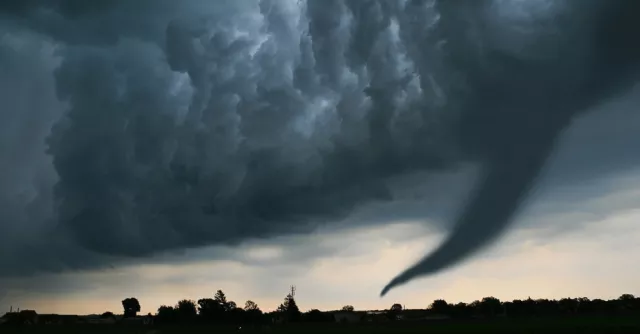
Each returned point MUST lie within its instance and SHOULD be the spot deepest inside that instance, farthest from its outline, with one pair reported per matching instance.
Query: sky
(165, 150)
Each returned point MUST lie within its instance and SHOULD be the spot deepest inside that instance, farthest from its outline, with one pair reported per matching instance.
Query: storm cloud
(519, 102)
(163, 125)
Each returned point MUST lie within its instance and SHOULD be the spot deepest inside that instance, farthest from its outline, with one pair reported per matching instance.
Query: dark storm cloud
(518, 104)
(190, 123)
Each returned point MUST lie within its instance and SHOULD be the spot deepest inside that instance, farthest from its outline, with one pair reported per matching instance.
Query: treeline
(219, 310)
(492, 307)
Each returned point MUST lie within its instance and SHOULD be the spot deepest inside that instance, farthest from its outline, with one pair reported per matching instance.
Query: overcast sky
(164, 150)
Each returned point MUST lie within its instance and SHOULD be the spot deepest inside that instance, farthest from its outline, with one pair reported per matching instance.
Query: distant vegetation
(219, 310)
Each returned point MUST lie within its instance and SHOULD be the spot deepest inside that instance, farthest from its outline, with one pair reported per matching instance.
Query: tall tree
(131, 307)
(221, 298)
(290, 308)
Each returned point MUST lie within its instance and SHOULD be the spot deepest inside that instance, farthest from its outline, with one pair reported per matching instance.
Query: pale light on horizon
(584, 263)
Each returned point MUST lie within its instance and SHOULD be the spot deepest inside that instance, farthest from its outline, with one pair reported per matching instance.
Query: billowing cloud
(164, 125)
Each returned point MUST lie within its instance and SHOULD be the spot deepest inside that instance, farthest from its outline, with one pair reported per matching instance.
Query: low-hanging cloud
(188, 123)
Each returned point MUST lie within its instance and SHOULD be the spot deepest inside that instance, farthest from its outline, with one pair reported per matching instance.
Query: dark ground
(594, 324)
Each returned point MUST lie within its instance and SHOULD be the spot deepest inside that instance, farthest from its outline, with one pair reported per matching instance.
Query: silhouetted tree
(205, 305)
(221, 298)
(250, 305)
(210, 310)
(490, 306)
(290, 308)
(348, 308)
(440, 306)
(166, 315)
(131, 307)
(186, 310)
(627, 297)
(628, 302)
(283, 307)
(252, 313)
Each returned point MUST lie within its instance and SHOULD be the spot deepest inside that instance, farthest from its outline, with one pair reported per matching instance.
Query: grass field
(598, 324)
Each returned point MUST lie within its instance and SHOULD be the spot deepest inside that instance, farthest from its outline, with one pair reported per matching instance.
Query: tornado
(503, 186)
(519, 109)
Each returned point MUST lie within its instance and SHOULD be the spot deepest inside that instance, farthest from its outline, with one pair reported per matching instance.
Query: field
(598, 324)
